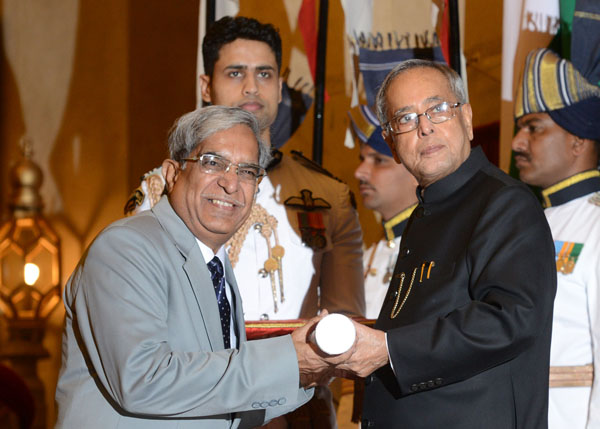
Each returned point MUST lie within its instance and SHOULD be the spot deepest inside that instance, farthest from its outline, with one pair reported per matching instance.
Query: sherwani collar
(448, 185)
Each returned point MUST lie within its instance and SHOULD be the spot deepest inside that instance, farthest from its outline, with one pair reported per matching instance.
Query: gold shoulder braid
(266, 224)
(372, 271)
(369, 270)
(156, 188)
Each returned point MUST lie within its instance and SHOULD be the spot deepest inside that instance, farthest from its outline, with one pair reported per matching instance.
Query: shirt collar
(208, 254)
(571, 188)
(395, 226)
(446, 186)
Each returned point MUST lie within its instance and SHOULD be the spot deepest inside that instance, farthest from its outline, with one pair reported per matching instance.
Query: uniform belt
(571, 376)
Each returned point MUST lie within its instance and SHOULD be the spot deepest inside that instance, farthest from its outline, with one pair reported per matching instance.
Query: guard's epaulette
(275, 158)
(309, 163)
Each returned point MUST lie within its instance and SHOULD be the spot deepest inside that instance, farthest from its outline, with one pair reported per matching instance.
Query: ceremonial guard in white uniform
(557, 148)
(573, 212)
(380, 260)
(390, 190)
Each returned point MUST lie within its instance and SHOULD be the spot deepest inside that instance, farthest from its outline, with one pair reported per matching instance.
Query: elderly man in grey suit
(154, 332)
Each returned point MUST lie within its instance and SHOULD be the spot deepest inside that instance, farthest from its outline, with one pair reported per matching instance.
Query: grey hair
(194, 127)
(455, 83)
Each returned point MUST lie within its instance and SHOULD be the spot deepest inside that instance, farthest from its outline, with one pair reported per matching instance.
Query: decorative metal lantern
(29, 276)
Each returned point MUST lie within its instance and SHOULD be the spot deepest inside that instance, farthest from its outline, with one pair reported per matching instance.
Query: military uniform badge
(310, 221)
(595, 199)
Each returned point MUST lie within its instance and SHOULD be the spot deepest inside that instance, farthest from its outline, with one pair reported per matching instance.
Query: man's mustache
(251, 99)
(364, 182)
(525, 155)
(223, 198)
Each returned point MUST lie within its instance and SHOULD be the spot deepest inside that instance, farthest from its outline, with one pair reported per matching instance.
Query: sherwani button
(438, 381)
(255, 405)
(414, 387)
(264, 404)
(419, 212)
(273, 402)
(368, 380)
(282, 401)
(430, 384)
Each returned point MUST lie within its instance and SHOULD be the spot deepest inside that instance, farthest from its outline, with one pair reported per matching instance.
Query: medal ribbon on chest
(567, 254)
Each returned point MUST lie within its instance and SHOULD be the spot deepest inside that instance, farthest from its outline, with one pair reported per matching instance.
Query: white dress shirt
(208, 255)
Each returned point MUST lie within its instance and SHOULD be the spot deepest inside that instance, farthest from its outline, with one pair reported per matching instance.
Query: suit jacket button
(404, 252)
(368, 380)
(419, 212)
(438, 381)
(281, 401)
(367, 423)
(414, 387)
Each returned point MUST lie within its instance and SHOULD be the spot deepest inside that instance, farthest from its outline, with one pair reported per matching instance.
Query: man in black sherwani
(463, 337)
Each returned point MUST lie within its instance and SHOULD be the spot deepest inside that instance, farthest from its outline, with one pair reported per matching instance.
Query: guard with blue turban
(390, 190)
(557, 148)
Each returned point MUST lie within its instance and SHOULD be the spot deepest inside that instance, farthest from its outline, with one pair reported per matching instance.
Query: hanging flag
(376, 44)
(443, 27)
(308, 28)
(527, 24)
(298, 85)
(222, 8)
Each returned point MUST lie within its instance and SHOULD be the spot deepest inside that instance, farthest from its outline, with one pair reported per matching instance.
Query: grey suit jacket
(142, 345)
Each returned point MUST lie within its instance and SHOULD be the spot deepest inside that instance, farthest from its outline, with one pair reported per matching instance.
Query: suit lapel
(196, 271)
(201, 284)
(239, 311)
